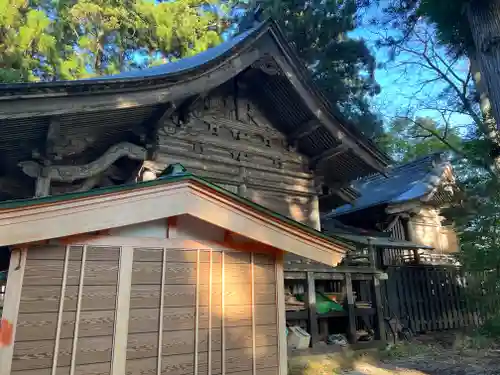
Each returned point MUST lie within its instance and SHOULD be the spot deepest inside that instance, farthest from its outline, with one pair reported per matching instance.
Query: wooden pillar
(380, 323)
(42, 184)
(372, 254)
(351, 311)
(377, 296)
(412, 238)
(311, 304)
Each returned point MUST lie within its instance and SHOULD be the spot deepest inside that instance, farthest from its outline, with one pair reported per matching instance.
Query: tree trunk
(484, 20)
(488, 125)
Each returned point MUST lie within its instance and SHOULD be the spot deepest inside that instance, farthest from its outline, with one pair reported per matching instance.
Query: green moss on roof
(173, 173)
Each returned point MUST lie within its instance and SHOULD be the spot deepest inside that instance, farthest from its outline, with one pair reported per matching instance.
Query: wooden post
(380, 331)
(311, 304)
(42, 186)
(280, 300)
(351, 312)
(377, 296)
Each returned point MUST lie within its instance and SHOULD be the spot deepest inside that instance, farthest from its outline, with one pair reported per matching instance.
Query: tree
(24, 41)
(46, 40)
(443, 86)
(342, 67)
(407, 139)
(467, 28)
(448, 89)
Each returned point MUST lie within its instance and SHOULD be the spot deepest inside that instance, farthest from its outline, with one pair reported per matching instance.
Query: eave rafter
(325, 156)
(304, 130)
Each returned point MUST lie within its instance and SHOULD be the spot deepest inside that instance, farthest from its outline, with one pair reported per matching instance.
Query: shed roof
(365, 237)
(39, 219)
(108, 110)
(416, 180)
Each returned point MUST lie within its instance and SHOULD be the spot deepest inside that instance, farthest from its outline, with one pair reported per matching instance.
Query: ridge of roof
(405, 182)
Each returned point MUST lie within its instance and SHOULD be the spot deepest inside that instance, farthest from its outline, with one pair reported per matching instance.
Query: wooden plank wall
(47, 324)
(243, 152)
(202, 314)
(428, 298)
(191, 312)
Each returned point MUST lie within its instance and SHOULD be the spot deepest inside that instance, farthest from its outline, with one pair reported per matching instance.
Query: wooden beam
(11, 307)
(412, 237)
(305, 129)
(120, 337)
(70, 173)
(280, 300)
(326, 155)
(46, 157)
(53, 135)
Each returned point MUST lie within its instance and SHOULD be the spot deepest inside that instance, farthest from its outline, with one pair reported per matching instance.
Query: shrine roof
(416, 180)
(107, 110)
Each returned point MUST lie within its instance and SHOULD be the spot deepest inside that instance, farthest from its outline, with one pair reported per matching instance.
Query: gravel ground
(417, 359)
(448, 362)
(442, 362)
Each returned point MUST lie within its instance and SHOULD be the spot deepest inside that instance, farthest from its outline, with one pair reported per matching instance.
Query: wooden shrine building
(405, 204)
(251, 129)
(425, 285)
(175, 275)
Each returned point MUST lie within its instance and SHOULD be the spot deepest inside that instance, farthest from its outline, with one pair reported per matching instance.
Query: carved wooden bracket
(66, 173)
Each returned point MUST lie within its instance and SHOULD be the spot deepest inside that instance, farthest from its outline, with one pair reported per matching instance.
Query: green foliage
(450, 22)
(66, 39)
(342, 67)
(24, 41)
(407, 139)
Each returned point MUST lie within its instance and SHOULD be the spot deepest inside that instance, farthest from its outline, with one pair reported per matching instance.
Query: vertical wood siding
(207, 313)
(67, 311)
(188, 311)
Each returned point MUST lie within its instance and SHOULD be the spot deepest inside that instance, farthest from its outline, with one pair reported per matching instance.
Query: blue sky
(400, 91)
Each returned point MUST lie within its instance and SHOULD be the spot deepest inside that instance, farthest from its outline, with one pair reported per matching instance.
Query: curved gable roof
(197, 75)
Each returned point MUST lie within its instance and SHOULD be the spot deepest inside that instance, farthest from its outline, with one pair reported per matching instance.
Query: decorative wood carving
(248, 132)
(228, 141)
(86, 185)
(107, 178)
(268, 65)
(67, 173)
